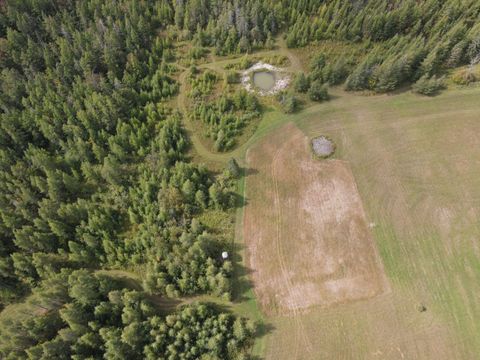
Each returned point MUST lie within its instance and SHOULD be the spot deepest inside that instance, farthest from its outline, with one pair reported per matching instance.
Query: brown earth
(308, 242)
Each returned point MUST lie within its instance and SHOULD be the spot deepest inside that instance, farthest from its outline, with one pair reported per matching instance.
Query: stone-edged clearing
(307, 238)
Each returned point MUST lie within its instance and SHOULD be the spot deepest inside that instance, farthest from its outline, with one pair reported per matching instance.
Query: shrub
(318, 91)
(429, 86)
(302, 83)
(231, 77)
(196, 53)
(289, 102)
(464, 76)
(277, 60)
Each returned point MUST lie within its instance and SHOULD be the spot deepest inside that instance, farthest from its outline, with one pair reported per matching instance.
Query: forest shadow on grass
(242, 291)
(241, 282)
(163, 304)
(401, 90)
(129, 282)
(332, 97)
(240, 199)
(218, 307)
(249, 171)
(262, 329)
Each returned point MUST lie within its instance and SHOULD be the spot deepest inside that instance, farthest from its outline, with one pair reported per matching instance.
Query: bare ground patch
(308, 242)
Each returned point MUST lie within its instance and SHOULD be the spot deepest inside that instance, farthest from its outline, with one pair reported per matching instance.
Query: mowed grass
(416, 162)
(305, 229)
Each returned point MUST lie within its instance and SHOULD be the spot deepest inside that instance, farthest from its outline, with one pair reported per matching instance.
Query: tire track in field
(278, 216)
(300, 333)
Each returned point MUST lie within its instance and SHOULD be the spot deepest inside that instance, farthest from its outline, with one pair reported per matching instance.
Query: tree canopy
(95, 176)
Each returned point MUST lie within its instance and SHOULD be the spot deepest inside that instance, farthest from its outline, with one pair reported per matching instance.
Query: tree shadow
(262, 329)
(217, 307)
(249, 171)
(129, 282)
(241, 283)
(240, 200)
(332, 97)
(242, 291)
(163, 304)
(400, 90)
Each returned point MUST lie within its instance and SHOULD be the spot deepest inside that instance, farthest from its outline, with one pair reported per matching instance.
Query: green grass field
(416, 164)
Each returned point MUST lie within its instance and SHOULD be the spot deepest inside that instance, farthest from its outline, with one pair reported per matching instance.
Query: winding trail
(219, 66)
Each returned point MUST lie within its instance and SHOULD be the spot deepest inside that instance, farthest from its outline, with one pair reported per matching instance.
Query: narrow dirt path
(295, 64)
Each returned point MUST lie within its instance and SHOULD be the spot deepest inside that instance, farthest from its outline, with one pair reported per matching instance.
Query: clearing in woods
(415, 162)
(307, 238)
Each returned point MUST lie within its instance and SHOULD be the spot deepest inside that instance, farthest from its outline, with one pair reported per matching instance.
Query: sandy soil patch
(308, 242)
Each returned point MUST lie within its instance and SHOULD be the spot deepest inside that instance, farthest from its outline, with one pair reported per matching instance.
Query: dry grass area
(307, 237)
(416, 164)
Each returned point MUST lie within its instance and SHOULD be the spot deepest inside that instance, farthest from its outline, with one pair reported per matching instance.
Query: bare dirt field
(308, 241)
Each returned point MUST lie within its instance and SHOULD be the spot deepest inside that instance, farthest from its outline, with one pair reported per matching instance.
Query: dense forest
(95, 175)
(80, 315)
(225, 116)
(401, 41)
(93, 156)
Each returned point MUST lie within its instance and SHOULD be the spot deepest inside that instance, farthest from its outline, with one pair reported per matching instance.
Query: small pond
(264, 80)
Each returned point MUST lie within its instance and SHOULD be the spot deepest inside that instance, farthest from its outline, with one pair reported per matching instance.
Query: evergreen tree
(302, 83)
(233, 168)
(318, 91)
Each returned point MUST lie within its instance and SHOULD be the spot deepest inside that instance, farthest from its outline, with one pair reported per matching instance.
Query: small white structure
(224, 255)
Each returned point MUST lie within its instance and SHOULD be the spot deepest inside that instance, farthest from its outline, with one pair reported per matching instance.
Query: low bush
(288, 102)
(429, 86)
(231, 77)
(318, 91)
(465, 76)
